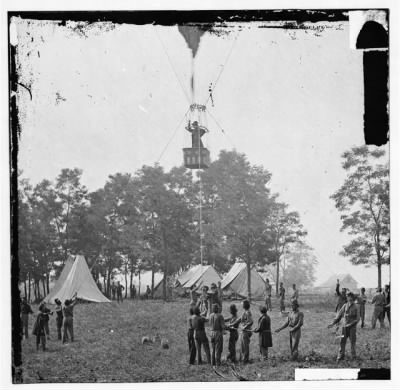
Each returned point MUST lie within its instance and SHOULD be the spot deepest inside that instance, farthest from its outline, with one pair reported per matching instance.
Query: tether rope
(172, 66)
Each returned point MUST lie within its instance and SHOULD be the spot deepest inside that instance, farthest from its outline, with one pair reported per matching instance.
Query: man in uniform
(379, 302)
(246, 321)
(217, 325)
(197, 132)
(119, 289)
(351, 315)
(268, 293)
(200, 335)
(294, 322)
(341, 296)
(214, 297)
(26, 309)
(387, 305)
(282, 297)
(361, 301)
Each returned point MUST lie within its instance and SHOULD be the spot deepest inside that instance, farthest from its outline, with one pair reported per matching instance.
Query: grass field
(108, 346)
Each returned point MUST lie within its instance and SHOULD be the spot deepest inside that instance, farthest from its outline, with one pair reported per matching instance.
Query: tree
(285, 229)
(363, 201)
(299, 264)
(238, 204)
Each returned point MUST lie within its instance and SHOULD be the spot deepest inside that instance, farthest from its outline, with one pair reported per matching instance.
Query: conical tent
(80, 281)
(235, 281)
(60, 281)
(199, 275)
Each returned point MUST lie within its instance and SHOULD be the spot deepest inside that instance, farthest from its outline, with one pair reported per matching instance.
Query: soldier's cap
(213, 285)
(263, 309)
(295, 303)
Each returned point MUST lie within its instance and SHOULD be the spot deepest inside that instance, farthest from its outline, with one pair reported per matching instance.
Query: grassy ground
(108, 346)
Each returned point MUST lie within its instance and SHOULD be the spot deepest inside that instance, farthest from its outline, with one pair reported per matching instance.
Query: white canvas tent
(345, 280)
(199, 275)
(235, 282)
(76, 278)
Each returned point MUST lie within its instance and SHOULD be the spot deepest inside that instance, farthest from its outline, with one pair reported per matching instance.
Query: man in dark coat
(26, 309)
(39, 328)
(197, 132)
(59, 318)
(217, 325)
(386, 311)
(232, 325)
(264, 333)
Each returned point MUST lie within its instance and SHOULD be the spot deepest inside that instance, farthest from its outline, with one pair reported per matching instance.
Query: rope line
(211, 90)
(221, 128)
(172, 66)
(173, 135)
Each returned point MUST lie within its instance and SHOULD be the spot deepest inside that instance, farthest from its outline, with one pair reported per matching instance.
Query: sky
(113, 98)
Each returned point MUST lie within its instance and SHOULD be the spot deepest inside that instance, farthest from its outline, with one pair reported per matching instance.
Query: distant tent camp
(76, 278)
(345, 280)
(235, 282)
(145, 280)
(199, 275)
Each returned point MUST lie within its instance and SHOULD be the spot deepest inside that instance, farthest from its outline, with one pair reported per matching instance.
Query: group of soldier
(207, 308)
(64, 321)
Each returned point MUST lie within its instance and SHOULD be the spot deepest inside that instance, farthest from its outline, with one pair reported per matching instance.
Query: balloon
(192, 35)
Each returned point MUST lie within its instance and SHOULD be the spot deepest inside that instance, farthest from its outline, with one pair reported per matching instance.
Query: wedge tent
(235, 282)
(199, 275)
(77, 280)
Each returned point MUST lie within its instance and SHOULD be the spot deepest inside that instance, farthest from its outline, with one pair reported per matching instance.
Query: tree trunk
(48, 282)
(152, 282)
(277, 277)
(25, 291)
(379, 264)
(29, 286)
(130, 284)
(139, 282)
(248, 279)
(165, 274)
(126, 280)
(44, 287)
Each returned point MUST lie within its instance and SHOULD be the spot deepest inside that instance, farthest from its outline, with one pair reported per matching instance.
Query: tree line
(150, 220)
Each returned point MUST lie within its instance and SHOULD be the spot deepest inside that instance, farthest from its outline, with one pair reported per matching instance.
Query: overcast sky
(110, 100)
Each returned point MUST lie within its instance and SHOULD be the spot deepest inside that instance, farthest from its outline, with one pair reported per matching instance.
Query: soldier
(351, 315)
(379, 302)
(46, 312)
(39, 328)
(191, 340)
(220, 296)
(246, 321)
(148, 292)
(295, 294)
(59, 318)
(200, 335)
(282, 298)
(361, 300)
(26, 309)
(214, 296)
(133, 292)
(193, 296)
(113, 290)
(268, 293)
(119, 290)
(217, 325)
(264, 333)
(295, 322)
(202, 303)
(68, 323)
(341, 296)
(387, 305)
(233, 323)
(197, 132)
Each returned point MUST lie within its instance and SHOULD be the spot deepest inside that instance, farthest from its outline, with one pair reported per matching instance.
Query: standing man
(26, 309)
(387, 303)
(351, 316)
(295, 322)
(246, 321)
(59, 318)
(193, 296)
(197, 132)
(295, 294)
(379, 302)
(68, 323)
(133, 292)
(217, 325)
(202, 303)
(362, 300)
(200, 336)
(220, 296)
(214, 297)
(282, 297)
(341, 296)
(119, 289)
(148, 292)
(268, 293)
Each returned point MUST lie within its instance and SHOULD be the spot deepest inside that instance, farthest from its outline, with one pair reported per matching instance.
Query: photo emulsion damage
(199, 195)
